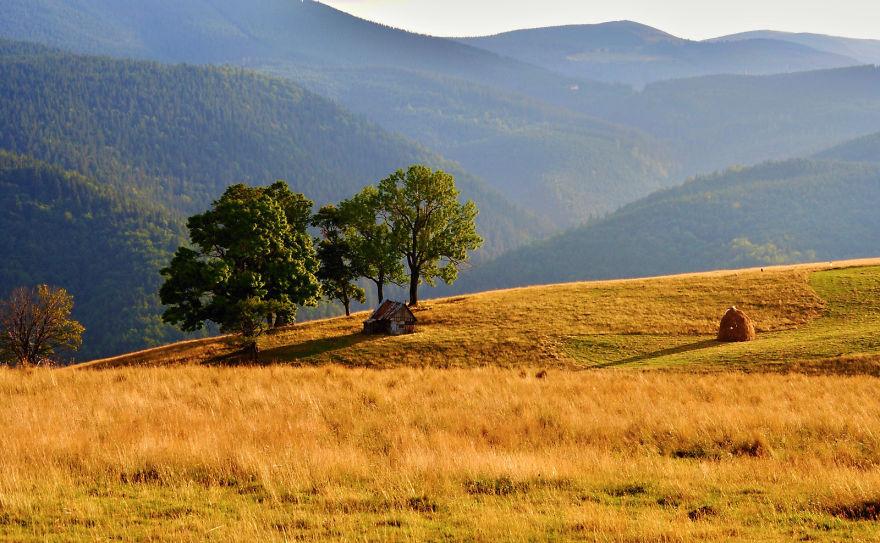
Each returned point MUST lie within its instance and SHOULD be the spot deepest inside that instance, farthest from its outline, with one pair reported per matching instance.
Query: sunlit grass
(519, 415)
(484, 454)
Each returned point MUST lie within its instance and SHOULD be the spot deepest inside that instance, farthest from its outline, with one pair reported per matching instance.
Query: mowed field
(595, 411)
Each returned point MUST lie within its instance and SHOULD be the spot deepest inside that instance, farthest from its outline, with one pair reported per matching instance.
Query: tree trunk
(347, 305)
(414, 288)
(252, 351)
(380, 284)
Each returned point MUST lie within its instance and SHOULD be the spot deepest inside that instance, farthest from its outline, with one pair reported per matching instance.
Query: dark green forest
(143, 144)
(564, 147)
(775, 213)
(105, 247)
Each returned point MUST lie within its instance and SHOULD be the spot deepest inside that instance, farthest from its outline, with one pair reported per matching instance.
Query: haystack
(736, 326)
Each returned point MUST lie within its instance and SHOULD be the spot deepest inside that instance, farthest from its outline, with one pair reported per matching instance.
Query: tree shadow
(681, 349)
(295, 354)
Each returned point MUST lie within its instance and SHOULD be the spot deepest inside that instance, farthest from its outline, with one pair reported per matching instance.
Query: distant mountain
(562, 165)
(259, 32)
(512, 122)
(778, 212)
(101, 244)
(865, 51)
(713, 122)
(560, 146)
(110, 155)
(864, 149)
(182, 134)
(632, 53)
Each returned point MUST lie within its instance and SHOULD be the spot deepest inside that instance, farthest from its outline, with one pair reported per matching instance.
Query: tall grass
(483, 454)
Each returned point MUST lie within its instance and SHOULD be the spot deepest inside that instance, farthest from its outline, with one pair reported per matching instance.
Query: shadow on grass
(298, 352)
(681, 349)
(295, 353)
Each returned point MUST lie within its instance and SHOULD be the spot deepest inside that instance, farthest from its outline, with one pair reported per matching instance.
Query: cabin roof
(388, 309)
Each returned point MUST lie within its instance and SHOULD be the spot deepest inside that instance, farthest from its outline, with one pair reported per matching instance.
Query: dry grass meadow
(594, 412)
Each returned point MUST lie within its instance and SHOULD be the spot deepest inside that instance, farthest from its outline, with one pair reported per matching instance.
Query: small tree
(35, 324)
(371, 240)
(339, 265)
(430, 228)
(252, 264)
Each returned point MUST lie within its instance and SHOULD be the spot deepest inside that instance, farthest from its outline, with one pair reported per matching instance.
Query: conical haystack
(736, 326)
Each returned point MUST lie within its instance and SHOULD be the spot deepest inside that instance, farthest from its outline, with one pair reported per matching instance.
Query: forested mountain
(560, 164)
(150, 144)
(231, 31)
(865, 51)
(529, 132)
(774, 213)
(470, 105)
(717, 121)
(864, 149)
(182, 134)
(632, 53)
(105, 247)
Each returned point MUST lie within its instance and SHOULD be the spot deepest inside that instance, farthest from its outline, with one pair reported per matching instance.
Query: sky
(693, 19)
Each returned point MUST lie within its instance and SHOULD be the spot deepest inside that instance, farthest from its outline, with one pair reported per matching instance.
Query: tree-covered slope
(231, 31)
(632, 53)
(499, 118)
(864, 149)
(560, 164)
(774, 213)
(717, 121)
(183, 133)
(104, 246)
(865, 51)
(529, 132)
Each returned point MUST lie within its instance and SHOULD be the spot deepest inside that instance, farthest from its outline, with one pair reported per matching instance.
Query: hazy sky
(695, 19)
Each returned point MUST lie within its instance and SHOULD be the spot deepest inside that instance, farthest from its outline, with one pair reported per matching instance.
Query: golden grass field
(642, 428)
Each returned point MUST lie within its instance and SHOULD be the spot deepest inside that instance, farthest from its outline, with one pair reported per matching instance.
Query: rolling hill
(562, 147)
(777, 212)
(664, 322)
(476, 104)
(714, 122)
(182, 134)
(636, 54)
(864, 149)
(865, 51)
(562, 165)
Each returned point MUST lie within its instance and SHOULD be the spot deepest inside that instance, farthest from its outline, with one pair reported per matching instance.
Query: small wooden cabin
(392, 318)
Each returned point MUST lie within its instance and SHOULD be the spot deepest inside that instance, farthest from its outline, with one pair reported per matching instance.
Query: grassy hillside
(103, 245)
(306, 449)
(665, 322)
(774, 213)
(632, 53)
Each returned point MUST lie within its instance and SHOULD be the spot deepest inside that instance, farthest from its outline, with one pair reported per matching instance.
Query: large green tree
(372, 240)
(431, 229)
(252, 263)
(340, 267)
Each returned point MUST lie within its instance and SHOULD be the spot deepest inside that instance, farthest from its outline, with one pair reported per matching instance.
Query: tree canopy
(430, 228)
(251, 265)
(35, 324)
